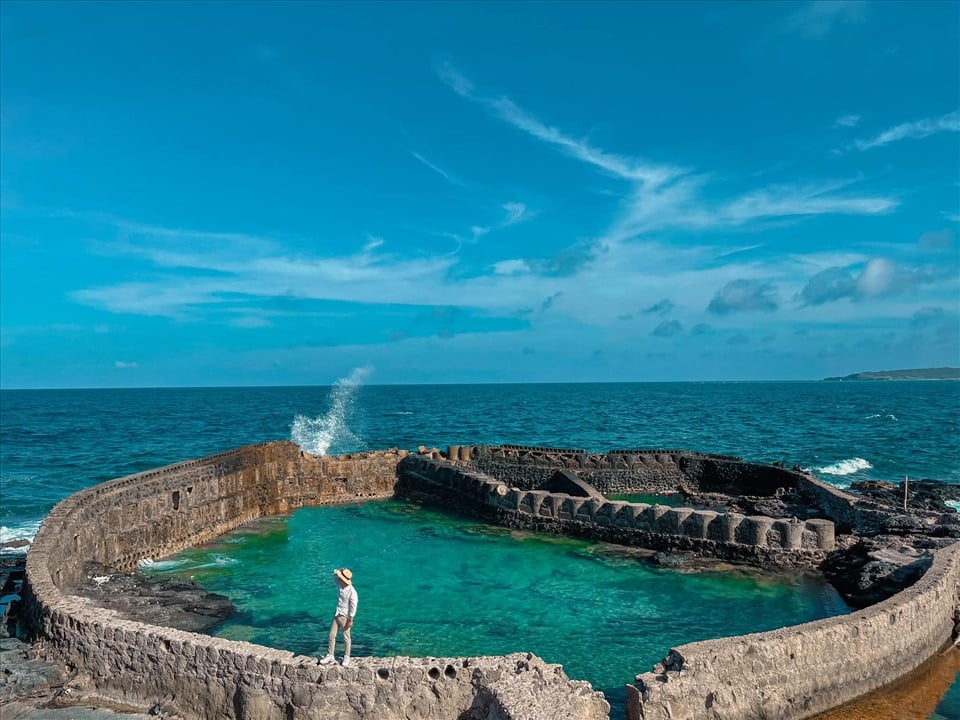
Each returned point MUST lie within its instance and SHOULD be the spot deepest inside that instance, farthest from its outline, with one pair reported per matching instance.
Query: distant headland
(944, 373)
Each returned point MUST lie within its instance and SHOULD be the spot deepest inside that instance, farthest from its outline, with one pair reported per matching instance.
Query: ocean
(54, 442)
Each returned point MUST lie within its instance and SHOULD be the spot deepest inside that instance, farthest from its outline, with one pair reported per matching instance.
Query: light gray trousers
(338, 622)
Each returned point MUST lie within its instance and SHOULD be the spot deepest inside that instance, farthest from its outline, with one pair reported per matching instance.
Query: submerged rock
(170, 602)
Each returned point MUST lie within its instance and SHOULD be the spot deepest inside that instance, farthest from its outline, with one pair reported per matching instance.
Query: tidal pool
(437, 584)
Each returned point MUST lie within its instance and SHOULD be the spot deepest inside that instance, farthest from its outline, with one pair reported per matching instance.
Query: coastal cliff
(943, 373)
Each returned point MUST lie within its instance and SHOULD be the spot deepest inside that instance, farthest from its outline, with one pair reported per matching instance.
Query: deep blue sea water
(55, 442)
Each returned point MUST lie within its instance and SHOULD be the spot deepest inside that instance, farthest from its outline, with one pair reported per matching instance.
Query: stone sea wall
(157, 513)
(729, 536)
(799, 671)
(787, 674)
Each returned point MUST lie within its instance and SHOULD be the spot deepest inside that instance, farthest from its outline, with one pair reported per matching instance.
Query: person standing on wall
(343, 619)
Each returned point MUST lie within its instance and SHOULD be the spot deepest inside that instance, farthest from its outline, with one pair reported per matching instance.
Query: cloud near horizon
(744, 295)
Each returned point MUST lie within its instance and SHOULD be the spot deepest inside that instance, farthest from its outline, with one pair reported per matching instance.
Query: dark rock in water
(15, 545)
(672, 560)
(169, 602)
(870, 570)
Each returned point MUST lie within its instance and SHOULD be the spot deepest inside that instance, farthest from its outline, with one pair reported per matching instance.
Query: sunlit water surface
(441, 585)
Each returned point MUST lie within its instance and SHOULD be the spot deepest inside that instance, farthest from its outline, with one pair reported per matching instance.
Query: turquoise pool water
(436, 584)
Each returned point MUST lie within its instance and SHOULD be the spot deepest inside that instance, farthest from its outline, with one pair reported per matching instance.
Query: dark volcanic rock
(785, 505)
(672, 560)
(866, 571)
(168, 602)
(925, 496)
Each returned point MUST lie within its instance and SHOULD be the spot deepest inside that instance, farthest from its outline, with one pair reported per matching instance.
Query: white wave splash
(27, 531)
(316, 435)
(845, 467)
(888, 416)
(218, 560)
(159, 564)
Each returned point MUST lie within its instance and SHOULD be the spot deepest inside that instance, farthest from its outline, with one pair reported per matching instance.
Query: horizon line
(471, 384)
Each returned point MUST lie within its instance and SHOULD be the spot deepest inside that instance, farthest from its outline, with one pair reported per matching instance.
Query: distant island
(944, 373)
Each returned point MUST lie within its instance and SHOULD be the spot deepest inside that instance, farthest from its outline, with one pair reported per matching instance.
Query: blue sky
(274, 194)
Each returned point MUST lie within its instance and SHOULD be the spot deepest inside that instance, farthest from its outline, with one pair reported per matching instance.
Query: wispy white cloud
(915, 130)
(511, 267)
(124, 365)
(452, 179)
(847, 121)
(663, 195)
(622, 166)
(817, 19)
(793, 200)
(516, 212)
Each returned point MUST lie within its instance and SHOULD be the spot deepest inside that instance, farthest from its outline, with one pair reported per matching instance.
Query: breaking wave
(26, 531)
(845, 467)
(316, 435)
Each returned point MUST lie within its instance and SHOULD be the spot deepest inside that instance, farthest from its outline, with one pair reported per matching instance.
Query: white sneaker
(326, 659)
(346, 661)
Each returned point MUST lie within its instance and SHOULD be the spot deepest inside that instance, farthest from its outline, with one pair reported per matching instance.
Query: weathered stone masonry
(160, 512)
(789, 673)
(794, 672)
(723, 535)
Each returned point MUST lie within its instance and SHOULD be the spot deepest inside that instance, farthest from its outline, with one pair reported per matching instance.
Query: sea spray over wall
(316, 435)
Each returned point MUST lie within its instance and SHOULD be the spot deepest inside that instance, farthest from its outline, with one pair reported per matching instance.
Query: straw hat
(344, 575)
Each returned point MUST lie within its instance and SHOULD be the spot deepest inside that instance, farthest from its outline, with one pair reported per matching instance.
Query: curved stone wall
(789, 673)
(160, 512)
(799, 671)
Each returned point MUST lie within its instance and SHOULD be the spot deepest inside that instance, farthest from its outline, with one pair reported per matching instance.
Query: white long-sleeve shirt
(347, 601)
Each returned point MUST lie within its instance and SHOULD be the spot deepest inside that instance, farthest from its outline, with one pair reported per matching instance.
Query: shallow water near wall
(441, 585)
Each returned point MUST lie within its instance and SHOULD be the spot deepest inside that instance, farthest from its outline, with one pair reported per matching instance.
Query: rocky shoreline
(32, 688)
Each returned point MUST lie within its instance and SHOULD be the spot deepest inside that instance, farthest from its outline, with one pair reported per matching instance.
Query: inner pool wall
(157, 513)
(756, 539)
(624, 471)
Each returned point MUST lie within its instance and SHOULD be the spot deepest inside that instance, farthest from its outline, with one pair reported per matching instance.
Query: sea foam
(24, 531)
(845, 467)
